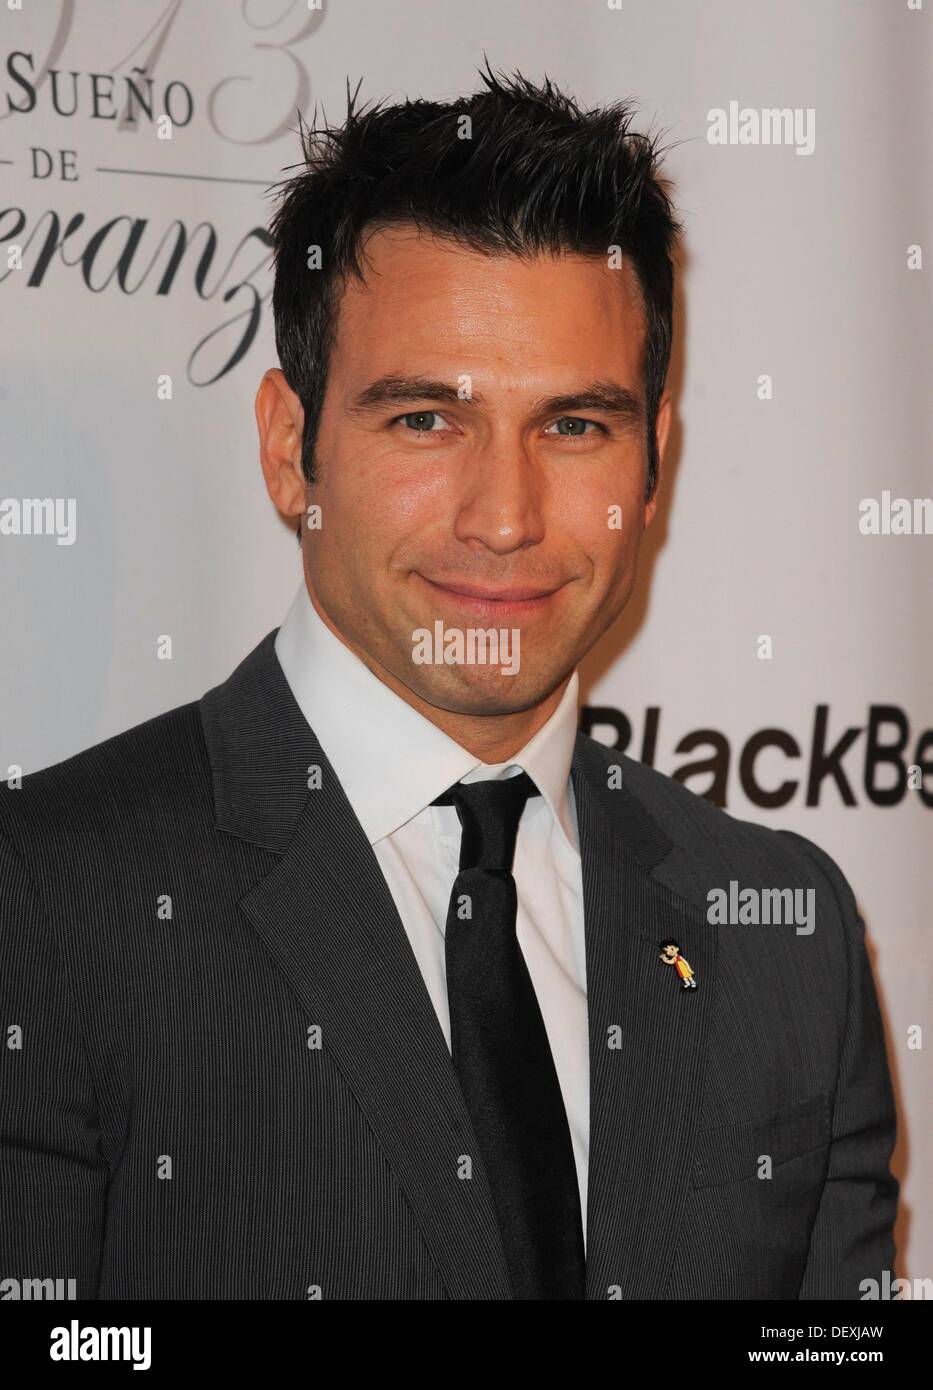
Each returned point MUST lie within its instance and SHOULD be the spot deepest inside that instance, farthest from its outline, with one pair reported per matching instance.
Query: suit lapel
(327, 917)
(647, 1036)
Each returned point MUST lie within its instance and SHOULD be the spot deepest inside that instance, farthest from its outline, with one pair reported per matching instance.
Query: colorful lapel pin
(670, 954)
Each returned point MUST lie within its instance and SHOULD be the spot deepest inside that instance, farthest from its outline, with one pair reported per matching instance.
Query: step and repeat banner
(776, 655)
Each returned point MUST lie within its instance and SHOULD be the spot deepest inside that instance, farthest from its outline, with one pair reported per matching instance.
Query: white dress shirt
(392, 762)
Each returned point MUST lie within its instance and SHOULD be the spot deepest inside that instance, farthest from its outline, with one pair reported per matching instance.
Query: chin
(493, 694)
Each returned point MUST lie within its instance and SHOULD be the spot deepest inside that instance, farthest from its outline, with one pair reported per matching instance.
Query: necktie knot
(489, 813)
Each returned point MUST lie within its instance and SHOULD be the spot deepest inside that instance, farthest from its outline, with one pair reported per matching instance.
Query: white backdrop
(802, 265)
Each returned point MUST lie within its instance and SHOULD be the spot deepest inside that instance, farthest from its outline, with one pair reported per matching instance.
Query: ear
(662, 429)
(280, 421)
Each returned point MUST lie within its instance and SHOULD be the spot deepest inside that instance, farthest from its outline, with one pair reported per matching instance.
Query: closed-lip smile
(508, 597)
(511, 591)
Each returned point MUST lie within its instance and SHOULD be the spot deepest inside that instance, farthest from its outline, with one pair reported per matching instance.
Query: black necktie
(500, 1050)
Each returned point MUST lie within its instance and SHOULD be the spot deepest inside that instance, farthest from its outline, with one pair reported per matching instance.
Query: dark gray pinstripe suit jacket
(334, 1168)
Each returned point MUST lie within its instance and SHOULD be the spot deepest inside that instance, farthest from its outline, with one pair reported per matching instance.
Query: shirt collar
(391, 761)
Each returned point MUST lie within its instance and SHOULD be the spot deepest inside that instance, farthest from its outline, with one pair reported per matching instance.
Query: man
(344, 982)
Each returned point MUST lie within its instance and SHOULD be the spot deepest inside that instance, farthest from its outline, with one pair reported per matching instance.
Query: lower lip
(493, 607)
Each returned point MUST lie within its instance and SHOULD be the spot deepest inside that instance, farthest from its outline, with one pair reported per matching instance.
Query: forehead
(426, 300)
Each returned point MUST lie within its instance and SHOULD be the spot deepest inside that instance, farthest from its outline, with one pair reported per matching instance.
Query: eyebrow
(606, 396)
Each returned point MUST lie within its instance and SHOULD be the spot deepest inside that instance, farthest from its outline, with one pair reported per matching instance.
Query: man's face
(479, 481)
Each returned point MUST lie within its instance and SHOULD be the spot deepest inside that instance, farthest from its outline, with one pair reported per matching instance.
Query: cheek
(604, 493)
(390, 499)
(604, 522)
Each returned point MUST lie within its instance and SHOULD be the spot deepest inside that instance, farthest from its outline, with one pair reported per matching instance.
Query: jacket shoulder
(146, 772)
(711, 839)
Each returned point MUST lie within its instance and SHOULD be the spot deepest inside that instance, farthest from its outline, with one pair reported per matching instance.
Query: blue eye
(575, 420)
(423, 420)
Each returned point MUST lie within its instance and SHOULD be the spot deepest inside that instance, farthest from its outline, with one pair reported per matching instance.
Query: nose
(502, 499)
